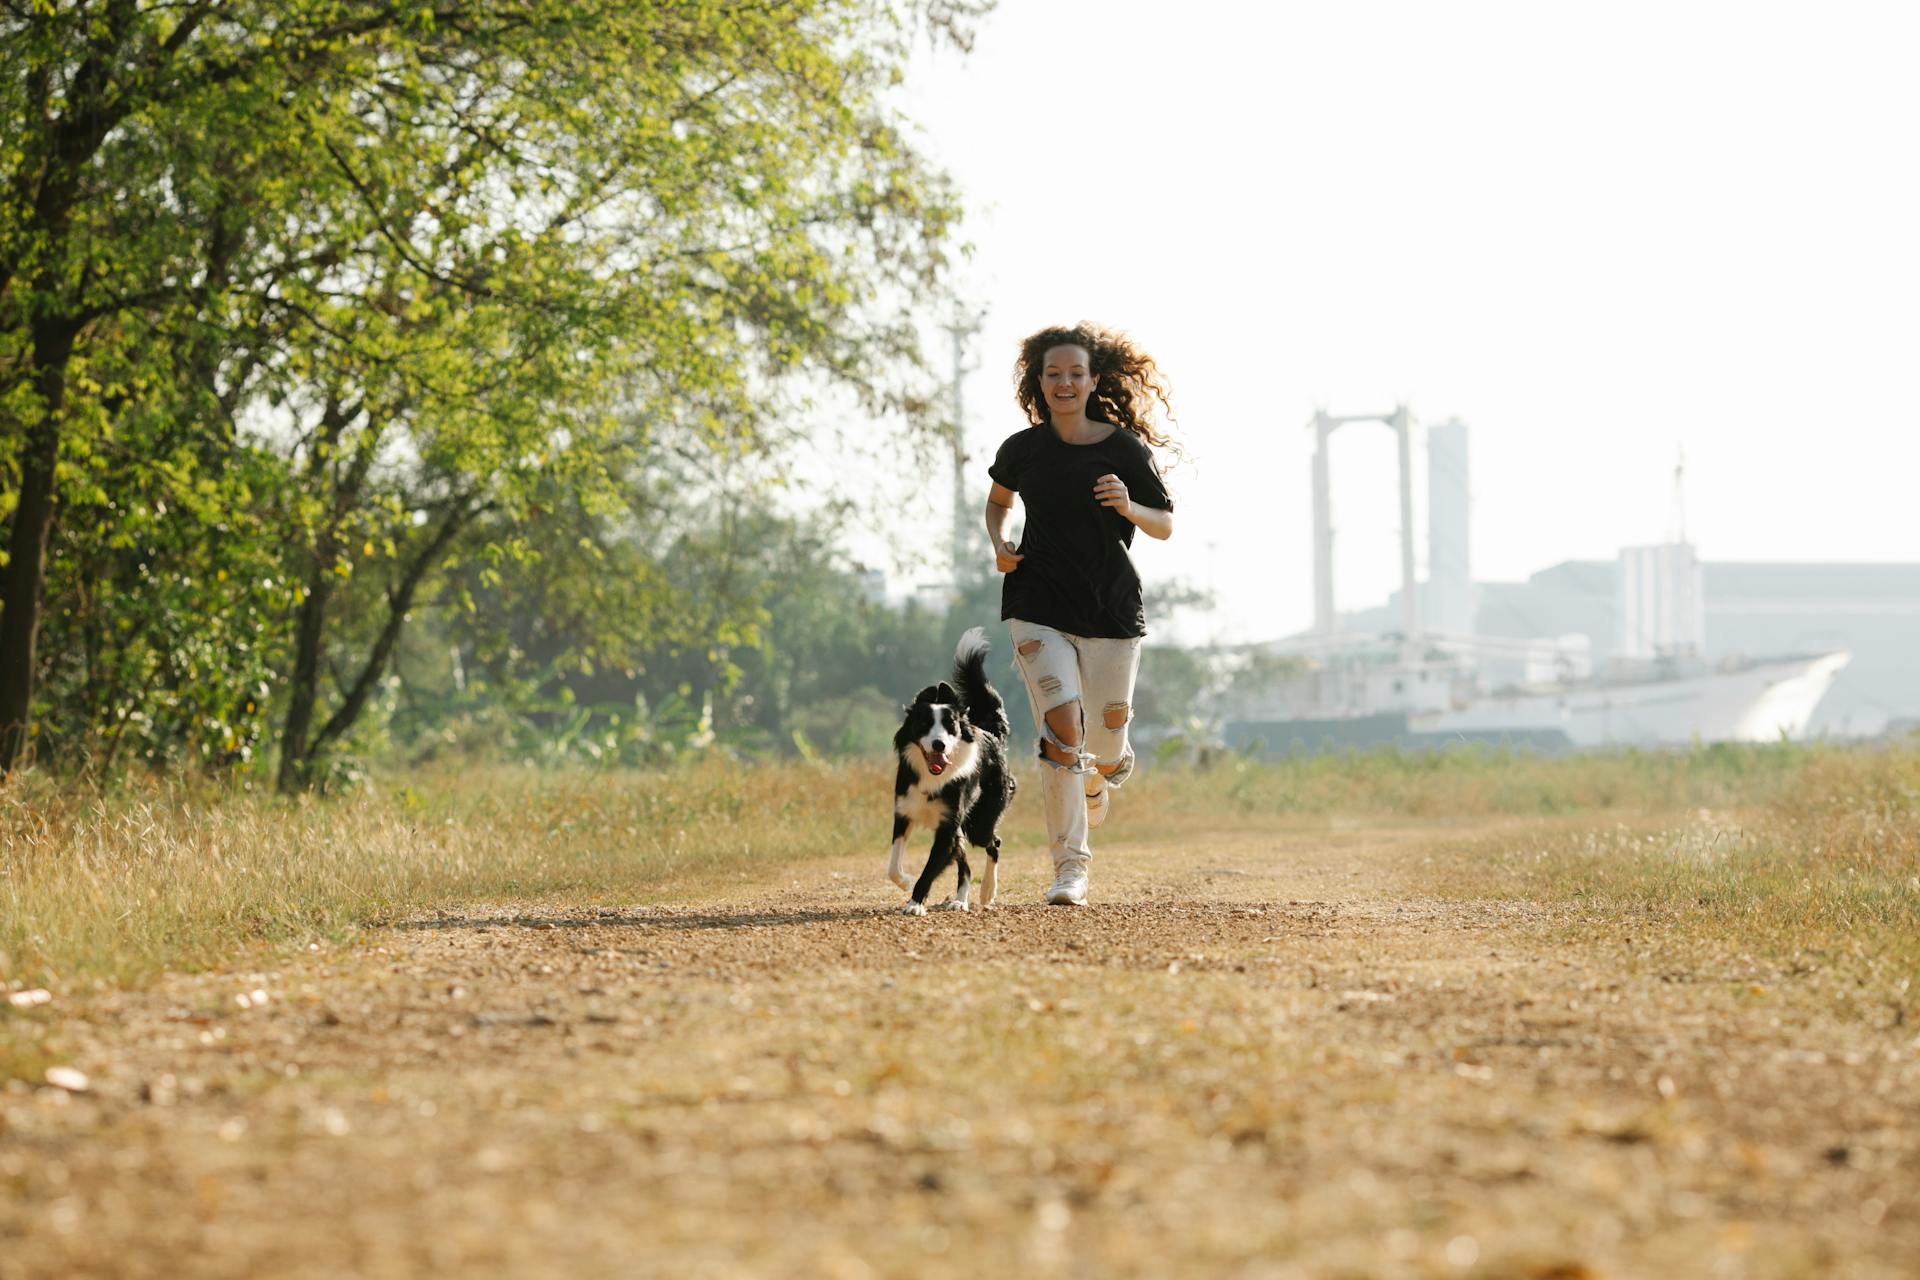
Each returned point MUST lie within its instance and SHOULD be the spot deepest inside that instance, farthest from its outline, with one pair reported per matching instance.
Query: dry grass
(1467, 1018)
(1797, 844)
(1803, 854)
(1467, 785)
(1817, 865)
(114, 888)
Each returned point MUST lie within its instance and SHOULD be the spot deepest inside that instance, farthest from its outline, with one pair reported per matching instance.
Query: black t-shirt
(1077, 576)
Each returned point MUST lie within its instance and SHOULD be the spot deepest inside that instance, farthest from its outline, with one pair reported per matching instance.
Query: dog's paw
(953, 904)
(914, 909)
(901, 878)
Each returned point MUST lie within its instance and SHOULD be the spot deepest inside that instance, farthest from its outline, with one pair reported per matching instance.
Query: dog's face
(937, 725)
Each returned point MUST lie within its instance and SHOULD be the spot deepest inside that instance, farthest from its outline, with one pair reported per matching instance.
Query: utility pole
(961, 328)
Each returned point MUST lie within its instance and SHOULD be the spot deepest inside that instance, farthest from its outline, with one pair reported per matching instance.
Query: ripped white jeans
(1097, 672)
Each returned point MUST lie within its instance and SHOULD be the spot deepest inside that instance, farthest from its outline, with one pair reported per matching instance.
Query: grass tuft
(1817, 862)
(164, 874)
(1467, 784)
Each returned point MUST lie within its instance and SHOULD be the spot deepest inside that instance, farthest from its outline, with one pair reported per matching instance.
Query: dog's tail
(984, 706)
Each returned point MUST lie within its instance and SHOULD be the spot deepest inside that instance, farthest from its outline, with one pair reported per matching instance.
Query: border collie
(953, 777)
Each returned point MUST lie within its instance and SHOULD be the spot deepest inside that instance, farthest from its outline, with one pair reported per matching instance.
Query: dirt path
(1260, 1056)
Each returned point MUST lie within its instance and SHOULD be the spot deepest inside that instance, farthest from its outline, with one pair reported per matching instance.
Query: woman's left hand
(1111, 491)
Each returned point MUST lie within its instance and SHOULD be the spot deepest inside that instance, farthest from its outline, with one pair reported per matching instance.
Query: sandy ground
(1253, 1056)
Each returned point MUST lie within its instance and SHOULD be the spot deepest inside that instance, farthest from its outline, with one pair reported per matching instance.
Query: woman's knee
(1107, 739)
(1066, 724)
(1065, 732)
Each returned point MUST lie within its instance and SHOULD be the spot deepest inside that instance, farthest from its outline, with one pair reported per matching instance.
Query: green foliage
(331, 305)
(166, 629)
(760, 639)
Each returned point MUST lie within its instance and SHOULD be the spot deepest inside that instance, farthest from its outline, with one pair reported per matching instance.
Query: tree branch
(399, 604)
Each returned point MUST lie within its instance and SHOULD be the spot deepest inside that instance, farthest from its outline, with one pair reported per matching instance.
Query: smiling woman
(1085, 472)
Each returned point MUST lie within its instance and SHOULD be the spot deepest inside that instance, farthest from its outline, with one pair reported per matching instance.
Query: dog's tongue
(936, 762)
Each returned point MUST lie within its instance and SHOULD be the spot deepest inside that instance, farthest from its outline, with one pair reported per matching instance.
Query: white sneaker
(1097, 803)
(1104, 784)
(1069, 884)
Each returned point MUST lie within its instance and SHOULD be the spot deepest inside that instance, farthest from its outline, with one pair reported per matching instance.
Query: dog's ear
(928, 695)
(947, 693)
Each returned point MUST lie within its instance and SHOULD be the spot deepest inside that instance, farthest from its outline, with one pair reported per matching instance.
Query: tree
(107, 108)
(682, 237)
(460, 251)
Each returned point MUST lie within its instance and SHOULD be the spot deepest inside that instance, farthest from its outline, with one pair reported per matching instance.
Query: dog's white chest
(921, 809)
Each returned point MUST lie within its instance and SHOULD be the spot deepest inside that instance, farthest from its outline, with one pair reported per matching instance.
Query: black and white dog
(953, 777)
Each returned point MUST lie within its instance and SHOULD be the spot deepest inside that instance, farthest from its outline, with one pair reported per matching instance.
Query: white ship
(1437, 685)
(1758, 700)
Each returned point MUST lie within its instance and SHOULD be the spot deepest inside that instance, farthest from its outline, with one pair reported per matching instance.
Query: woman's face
(1066, 380)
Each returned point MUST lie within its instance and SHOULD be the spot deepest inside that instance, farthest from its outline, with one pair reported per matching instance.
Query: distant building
(1655, 615)
(1658, 602)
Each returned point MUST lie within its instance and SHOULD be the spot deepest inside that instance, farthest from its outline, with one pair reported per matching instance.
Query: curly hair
(1126, 381)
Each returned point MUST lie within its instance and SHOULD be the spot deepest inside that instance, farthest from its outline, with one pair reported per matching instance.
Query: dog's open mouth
(936, 761)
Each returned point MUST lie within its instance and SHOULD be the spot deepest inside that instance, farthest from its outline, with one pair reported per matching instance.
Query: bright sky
(1599, 233)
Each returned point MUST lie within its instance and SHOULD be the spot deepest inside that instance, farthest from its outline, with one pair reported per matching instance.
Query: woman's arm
(999, 511)
(1111, 491)
(1152, 521)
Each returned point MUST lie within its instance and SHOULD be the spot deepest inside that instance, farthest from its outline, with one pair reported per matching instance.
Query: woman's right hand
(1005, 558)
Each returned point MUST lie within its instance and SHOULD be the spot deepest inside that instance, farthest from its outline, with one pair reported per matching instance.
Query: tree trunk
(302, 747)
(296, 737)
(309, 634)
(26, 571)
(45, 203)
(399, 603)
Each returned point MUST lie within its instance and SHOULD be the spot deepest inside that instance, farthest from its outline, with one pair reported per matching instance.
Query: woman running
(1086, 475)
